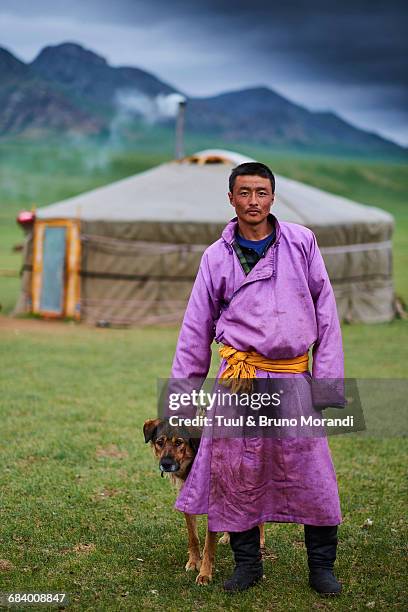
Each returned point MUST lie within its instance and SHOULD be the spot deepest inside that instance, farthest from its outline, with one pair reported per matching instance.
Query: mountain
(68, 88)
(30, 104)
(11, 68)
(86, 75)
(260, 115)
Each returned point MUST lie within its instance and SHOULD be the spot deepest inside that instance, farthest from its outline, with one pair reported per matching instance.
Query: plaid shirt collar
(242, 259)
(248, 258)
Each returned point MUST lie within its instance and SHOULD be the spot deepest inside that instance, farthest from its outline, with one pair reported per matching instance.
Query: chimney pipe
(179, 151)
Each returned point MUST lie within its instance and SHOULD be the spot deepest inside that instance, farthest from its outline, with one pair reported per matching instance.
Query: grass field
(82, 507)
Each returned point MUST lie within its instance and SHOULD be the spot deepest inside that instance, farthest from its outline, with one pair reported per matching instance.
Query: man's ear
(231, 198)
(150, 428)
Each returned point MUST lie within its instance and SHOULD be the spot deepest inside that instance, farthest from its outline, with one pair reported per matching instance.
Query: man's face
(252, 198)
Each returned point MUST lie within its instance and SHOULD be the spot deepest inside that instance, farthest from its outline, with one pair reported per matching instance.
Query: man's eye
(243, 193)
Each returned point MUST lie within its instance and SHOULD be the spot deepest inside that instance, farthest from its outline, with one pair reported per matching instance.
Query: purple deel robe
(281, 308)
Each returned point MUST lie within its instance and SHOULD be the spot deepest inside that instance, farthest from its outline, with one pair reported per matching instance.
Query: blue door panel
(53, 272)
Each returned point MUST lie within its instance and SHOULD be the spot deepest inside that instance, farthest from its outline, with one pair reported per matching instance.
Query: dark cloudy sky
(348, 56)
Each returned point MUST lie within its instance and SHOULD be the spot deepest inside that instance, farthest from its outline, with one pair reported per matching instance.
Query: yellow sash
(242, 366)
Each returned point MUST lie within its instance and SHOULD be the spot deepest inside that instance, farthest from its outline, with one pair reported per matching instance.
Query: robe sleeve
(328, 357)
(193, 353)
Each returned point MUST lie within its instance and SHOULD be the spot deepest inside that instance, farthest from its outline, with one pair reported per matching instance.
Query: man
(262, 290)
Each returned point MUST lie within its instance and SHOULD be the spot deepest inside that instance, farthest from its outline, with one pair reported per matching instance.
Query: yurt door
(55, 285)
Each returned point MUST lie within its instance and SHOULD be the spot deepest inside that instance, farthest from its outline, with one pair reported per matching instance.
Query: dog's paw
(193, 564)
(224, 539)
(203, 579)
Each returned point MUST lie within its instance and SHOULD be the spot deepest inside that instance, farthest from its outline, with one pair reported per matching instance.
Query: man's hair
(252, 169)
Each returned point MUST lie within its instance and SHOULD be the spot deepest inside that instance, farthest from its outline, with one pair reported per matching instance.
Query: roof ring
(215, 159)
(207, 159)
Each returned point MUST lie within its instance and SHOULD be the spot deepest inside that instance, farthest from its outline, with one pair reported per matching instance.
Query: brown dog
(176, 448)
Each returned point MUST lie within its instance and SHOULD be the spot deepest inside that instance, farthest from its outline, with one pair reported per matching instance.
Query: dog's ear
(150, 428)
(194, 443)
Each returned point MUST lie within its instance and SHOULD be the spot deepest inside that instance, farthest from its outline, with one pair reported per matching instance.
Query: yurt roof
(195, 190)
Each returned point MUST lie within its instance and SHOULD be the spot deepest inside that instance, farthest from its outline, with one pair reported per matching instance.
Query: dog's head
(174, 447)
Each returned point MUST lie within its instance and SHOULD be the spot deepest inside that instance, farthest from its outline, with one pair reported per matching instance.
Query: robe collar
(266, 266)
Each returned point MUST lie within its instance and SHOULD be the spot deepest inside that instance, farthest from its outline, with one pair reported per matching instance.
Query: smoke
(168, 105)
(130, 102)
(89, 156)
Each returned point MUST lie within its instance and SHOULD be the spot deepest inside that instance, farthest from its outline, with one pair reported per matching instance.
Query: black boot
(321, 545)
(248, 560)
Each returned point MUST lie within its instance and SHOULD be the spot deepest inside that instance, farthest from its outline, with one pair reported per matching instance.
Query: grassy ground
(82, 507)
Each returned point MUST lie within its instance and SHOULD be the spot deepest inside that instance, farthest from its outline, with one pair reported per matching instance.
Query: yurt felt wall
(135, 282)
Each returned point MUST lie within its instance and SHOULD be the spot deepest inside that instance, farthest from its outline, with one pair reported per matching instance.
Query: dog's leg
(205, 575)
(262, 535)
(194, 561)
(225, 538)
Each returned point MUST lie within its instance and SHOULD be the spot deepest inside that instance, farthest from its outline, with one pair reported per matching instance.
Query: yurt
(128, 253)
